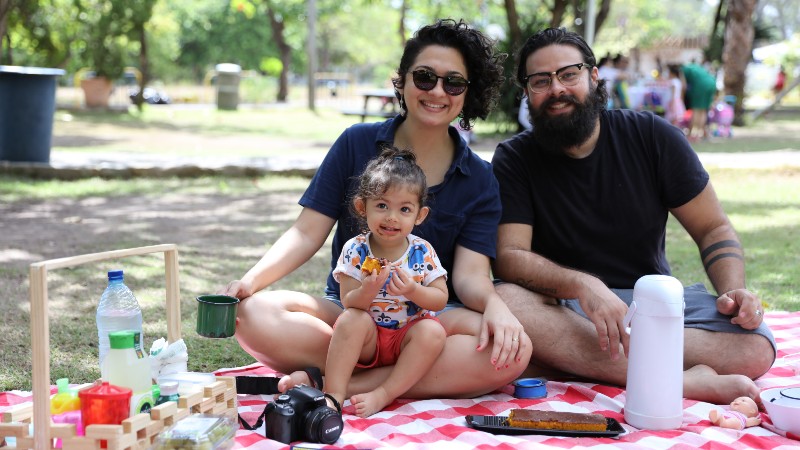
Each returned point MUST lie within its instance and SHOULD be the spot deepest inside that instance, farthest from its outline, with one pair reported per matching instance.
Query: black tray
(499, 425)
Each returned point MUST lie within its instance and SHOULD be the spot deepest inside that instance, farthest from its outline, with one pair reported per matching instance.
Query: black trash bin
(27, 106)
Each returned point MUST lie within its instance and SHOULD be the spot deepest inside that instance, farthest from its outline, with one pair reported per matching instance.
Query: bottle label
(137, 344)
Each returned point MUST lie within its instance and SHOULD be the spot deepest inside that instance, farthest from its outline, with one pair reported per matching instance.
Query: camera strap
(257, 385)
(259, 421)
(269, 385)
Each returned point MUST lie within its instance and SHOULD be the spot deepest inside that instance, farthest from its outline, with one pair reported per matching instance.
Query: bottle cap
(121, 339)
(105, 390)
(168, 388)
(115, 275)
(63, 385)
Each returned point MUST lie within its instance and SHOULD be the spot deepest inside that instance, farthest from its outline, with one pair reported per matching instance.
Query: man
(586, 196)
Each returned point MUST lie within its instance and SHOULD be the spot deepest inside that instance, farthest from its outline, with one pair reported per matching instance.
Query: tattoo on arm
(726, 244)
(721, 244)
(720, 256)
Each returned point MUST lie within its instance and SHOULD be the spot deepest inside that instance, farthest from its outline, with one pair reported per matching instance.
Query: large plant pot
(97, 91)
(27, 105)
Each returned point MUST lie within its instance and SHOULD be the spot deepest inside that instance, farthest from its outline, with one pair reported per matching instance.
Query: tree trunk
(285, 53)
(559, 7)
(402, 28)
(737, 51)
(602, 14)
(514, 31)
(5, 7)
(143, 66)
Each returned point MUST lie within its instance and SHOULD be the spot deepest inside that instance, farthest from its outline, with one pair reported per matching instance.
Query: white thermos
(654, 398)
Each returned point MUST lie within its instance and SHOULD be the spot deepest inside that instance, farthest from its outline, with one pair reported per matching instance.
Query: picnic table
(387, 105)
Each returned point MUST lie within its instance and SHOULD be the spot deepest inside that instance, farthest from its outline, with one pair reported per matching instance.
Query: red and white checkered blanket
(441, 424)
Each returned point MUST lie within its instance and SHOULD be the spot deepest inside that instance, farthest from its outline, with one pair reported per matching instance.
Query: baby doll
(743, 413)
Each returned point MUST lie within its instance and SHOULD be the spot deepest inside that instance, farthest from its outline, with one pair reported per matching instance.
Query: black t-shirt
(604, 214)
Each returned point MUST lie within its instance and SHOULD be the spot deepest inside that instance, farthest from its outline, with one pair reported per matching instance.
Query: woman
(447, 71)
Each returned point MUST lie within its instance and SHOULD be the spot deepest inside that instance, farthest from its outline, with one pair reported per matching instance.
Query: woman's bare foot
(371, 402)
(293, 379)
(703, 383)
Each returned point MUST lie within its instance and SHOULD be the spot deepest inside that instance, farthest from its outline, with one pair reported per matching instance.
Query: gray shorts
(701, 312)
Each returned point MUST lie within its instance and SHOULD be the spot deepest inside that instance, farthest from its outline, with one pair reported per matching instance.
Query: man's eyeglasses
(426, 80)
(567, 75)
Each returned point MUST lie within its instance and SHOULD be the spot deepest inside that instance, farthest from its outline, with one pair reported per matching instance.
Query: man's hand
(744, 306)
(607, 312)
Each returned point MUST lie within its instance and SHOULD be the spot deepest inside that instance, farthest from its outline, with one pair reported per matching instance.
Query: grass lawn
(223, 225)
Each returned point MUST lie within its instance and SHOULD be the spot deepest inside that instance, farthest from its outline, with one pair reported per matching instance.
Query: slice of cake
(556, 420)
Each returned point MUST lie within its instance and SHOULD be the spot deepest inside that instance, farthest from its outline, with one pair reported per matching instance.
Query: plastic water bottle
(118, 310)
(654, 398)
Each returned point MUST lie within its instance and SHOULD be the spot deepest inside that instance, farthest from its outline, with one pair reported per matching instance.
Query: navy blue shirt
(465, 207)
(605, 214)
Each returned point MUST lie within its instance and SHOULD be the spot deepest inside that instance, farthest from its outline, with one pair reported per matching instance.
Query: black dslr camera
(303, 414)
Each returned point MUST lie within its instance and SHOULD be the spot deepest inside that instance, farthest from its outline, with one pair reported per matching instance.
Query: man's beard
(556, 134)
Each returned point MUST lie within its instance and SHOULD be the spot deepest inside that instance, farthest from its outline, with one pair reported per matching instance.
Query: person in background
(447, 70)
(780, 81)
(388, 318)
(621, 80)
(586, 196)
(606, 71)
(675, 108)
(701, 90)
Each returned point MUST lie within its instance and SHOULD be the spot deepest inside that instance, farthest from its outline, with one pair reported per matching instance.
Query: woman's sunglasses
(426, 80)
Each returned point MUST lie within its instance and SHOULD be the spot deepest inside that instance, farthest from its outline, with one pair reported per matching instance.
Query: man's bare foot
(293, 379)
(371, 402)
(703, 383)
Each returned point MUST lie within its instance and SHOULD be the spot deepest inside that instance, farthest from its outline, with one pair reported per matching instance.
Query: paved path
(70, 165)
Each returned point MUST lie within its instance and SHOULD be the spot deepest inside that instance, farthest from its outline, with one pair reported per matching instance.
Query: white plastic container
(126, 367)
(189, 382)
(654, 399)
(783, 407)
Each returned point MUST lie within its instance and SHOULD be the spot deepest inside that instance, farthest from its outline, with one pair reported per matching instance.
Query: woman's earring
(403, 109)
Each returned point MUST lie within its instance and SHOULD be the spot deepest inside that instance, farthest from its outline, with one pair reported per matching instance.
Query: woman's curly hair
(484, 64)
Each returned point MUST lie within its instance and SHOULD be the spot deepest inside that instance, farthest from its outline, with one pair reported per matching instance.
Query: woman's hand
(237, 288)
(510, 340)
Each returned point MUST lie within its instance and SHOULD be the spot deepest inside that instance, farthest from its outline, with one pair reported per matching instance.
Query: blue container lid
(115, 275)
(530, 388)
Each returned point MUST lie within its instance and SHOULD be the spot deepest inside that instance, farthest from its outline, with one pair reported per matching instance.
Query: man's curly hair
(484, 64)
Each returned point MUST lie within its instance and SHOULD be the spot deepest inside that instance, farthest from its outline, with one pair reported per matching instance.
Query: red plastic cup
(105, 404)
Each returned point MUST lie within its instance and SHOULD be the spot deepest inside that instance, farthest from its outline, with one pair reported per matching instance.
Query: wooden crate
(135, 433)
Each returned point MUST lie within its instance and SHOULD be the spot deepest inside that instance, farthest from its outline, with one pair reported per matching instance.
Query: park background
(224, 221)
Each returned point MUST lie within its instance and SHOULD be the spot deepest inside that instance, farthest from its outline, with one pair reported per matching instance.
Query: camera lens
(323, 425)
